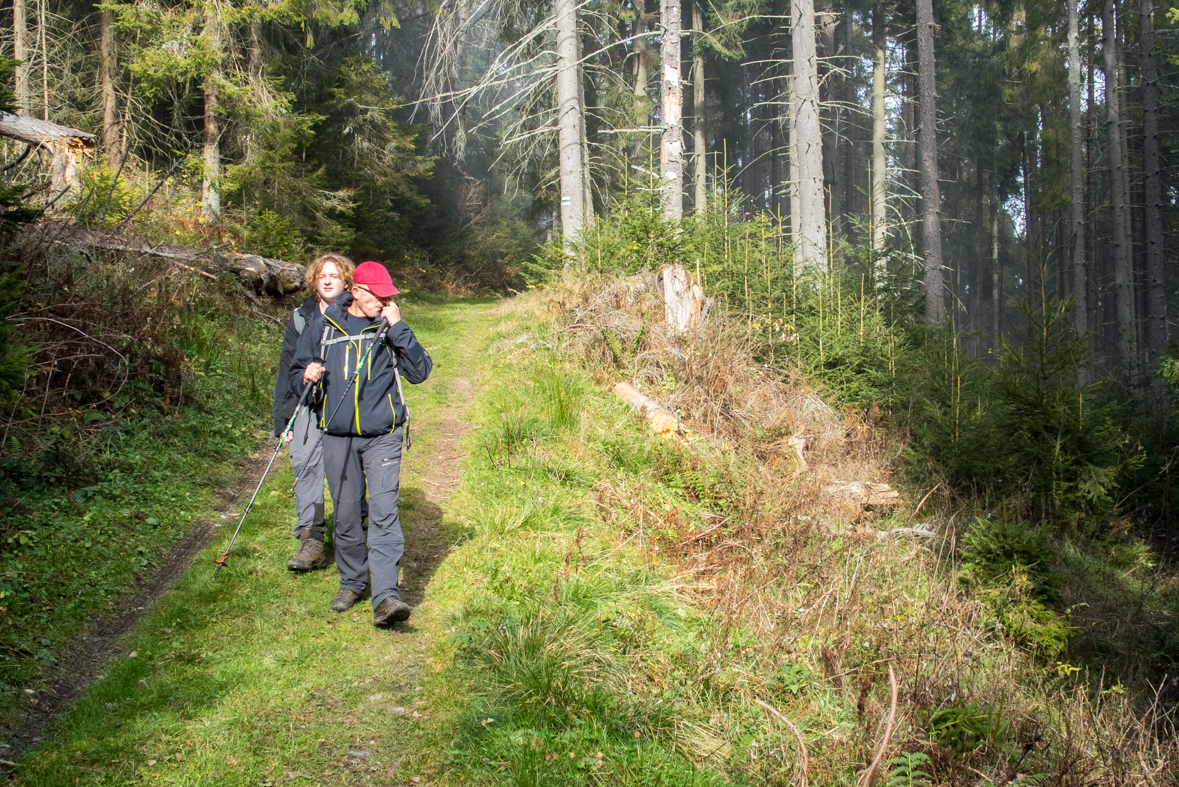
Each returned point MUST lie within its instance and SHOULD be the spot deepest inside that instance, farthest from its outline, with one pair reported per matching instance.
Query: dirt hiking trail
(259, 649)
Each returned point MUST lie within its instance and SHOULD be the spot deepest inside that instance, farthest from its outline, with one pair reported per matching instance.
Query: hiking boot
(345, 600)
(310, 556)
(391, 610)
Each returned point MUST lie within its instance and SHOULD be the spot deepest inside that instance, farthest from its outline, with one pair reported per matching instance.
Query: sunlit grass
(252, 679)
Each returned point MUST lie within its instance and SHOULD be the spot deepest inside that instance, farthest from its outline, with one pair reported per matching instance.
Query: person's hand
(391, 313)
(313, 372)
(289, 436)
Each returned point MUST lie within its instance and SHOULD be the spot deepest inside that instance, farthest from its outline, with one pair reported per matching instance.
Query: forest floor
(594, 604)
(252, 679)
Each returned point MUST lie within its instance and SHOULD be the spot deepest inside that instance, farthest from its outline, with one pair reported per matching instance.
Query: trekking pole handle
(220, 561)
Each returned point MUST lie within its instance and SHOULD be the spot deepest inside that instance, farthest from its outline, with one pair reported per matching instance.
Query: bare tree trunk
(1156, 293)
(791, 141)
(20, 51)
(210, 182)
(112, 145)
(255, 55)
(931, 229)
(807, 141)
(829, 114)
(996, 296)
(569, 121)
(908, 142)
(1077, 165)
(639, 48)
(879, 161)
(587, 183)
(42, 16)
(1123, 273)
(671, 152)
(1095, 322)
(1031, 187)
(699, 140)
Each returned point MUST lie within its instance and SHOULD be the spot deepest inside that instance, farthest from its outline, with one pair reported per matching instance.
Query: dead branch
(790, 725)
(865, 779)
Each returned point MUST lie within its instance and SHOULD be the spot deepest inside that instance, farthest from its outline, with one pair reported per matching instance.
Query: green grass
(252, 678)
(76, 539)
(560, 638)
(559, 627)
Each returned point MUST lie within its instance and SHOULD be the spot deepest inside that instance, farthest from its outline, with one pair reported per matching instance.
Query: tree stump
(61, 148)
(683, 299)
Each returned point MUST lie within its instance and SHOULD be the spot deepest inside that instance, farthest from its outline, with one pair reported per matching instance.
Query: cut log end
(661, 421)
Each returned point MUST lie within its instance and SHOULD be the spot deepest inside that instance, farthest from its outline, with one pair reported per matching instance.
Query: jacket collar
(338, 307)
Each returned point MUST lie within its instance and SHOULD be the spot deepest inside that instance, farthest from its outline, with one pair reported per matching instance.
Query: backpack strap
(300, 322)
(360, 337)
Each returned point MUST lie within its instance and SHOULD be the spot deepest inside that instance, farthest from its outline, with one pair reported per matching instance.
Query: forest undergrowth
(142, 387)
(707, 609)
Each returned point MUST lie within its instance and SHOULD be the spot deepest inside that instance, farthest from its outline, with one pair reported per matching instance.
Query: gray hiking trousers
(309, 490)
(350, 463)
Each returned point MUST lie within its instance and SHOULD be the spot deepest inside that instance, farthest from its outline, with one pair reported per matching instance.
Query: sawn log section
(260, 274)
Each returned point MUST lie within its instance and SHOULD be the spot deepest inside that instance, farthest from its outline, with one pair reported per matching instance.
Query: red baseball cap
(374, 276)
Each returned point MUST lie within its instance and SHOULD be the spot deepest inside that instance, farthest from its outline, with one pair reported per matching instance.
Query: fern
(615, 345)
(1034, 780)
(906, 770)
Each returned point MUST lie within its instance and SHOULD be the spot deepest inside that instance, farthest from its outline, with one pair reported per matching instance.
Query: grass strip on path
(252, 679)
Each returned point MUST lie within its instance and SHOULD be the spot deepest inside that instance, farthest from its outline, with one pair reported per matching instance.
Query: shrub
(1008, 567)
(270, 235)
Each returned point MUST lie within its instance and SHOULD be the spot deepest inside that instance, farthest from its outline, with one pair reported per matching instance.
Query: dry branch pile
(708, 378)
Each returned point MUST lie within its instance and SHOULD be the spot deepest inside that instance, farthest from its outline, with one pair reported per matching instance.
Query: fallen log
(865, 492)
(259, 274)
(660, 420)
(851, 499)
(61, 148)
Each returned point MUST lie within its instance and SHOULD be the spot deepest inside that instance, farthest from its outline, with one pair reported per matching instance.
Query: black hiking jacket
(372, 406)
(286, 396)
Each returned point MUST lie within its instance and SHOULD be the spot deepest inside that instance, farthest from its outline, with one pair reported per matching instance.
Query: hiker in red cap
(363, 438)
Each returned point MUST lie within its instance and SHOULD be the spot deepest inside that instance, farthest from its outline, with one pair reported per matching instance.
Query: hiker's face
(329, 283)
(368, 303)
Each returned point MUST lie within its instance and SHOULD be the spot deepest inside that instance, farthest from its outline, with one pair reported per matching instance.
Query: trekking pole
(384, 327)
(281, 439)
(397, 376)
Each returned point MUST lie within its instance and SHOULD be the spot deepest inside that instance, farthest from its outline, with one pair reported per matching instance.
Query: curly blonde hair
(343, 264)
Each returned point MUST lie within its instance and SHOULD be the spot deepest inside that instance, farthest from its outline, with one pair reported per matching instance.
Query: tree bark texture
(807, 141)
(112, 144)
(931, 229)
(211, 179)
(569, 124)
(639, 48)
(1156, 294)
(699, 140)
(830, 82)
(1123, 272)
(20, 51)
(907, 154)
(1077, 167)
(671, 96)
(879, 178)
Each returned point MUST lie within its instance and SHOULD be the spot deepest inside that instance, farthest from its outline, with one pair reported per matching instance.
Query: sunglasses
(384, 301)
